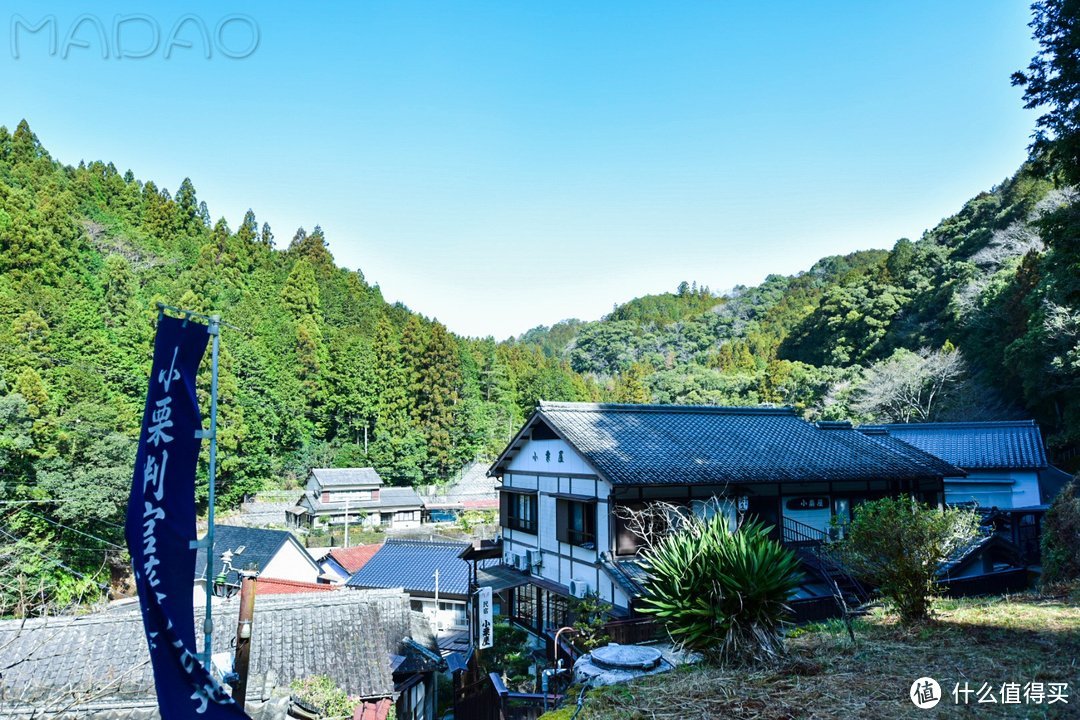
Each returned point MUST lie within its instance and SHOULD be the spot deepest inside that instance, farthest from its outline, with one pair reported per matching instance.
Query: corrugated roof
(276, 586)
(1002, 445)
(334, 477)
(348, 636)
(679, 445)
(354, 558)
(411, 564)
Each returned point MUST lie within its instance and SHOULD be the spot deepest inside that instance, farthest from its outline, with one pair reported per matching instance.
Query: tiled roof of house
(978, 445)
(338, 477)
(936, 464)
(252, 548)
(354, 558)
(679, 445)
(389, 498)
(348, 636)
(411, 564)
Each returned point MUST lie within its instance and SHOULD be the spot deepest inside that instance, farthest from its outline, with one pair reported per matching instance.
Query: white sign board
(487, 627)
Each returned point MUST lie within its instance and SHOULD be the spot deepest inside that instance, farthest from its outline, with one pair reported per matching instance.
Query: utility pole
(214, 329)
(436, 576)
(346, 522)
(242, 659)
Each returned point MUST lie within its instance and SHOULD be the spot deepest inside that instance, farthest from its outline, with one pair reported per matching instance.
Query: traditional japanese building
(573, 466)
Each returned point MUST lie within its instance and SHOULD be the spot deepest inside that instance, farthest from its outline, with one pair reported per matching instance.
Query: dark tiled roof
(348, 636)
(353, 558)
(937, 465)
(259, 547)
(411, 564)
(978, 445)
(678, 445)
(337, 477)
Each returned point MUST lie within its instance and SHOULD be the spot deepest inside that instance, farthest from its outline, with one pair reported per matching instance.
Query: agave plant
(721, 593)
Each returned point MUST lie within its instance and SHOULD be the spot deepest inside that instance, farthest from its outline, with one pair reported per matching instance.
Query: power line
(80, 532)
(37, 552)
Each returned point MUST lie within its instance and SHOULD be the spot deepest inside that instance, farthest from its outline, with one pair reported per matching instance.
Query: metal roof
(411, 564)
(337, 477)
(692, 444)
(353, 558)
(1002, 445)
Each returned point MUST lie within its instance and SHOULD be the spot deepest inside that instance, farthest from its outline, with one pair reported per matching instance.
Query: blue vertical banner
(160, 526)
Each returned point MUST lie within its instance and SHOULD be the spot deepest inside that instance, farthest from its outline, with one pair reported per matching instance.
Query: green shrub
(590, 616)
(720, 593)
(898, 545)
(321, 692)
(1061, 539)
(510, 656)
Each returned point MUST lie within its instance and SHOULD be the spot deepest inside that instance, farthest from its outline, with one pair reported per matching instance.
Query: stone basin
(616, 663)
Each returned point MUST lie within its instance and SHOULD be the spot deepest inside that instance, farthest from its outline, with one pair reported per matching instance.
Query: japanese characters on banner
(161, 526)
(486, 618)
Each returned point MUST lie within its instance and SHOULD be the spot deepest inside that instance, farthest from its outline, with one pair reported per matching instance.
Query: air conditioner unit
(579, 588)
(521, 562)
(535, 558)
(508, 558)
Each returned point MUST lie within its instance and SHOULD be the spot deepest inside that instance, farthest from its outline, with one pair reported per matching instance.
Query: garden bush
(721, 593)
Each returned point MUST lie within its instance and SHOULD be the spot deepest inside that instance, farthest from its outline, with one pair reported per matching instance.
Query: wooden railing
(632, 632)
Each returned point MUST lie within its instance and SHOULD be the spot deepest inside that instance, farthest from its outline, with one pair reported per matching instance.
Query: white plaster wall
(995, 489)
(547, 458)
(291, 563)
(443, 619)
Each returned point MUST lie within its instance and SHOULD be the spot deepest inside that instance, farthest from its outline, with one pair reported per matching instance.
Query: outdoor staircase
(811, 546)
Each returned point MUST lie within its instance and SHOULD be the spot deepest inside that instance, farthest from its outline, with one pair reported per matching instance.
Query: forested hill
(312, 358)
(977, 319)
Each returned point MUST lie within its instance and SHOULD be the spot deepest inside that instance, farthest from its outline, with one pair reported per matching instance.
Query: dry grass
(1016, 639)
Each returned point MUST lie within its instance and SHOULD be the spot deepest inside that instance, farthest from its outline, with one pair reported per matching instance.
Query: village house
(1002, 461)
(573, 471)
(97, 666)
(273, 553)
(358, 494)
(412, 565)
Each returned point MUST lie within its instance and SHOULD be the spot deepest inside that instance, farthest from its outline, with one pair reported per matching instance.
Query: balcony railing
(797, 533)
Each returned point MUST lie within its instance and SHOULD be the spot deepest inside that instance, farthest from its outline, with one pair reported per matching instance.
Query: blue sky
(500, 165)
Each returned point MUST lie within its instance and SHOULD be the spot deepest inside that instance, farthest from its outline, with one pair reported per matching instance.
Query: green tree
(1052, 82)
(898, 545)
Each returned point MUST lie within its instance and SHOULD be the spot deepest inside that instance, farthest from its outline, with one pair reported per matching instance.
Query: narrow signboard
(160, 527)
(487, 629)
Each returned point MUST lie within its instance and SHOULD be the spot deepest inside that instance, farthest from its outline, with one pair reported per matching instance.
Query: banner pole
(214, 330)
